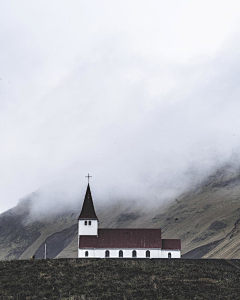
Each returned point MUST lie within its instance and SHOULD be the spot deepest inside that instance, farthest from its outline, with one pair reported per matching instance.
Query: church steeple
(88, 211)
(87, 220)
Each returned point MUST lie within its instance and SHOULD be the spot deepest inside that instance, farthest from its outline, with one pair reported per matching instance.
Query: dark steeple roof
(88, 211)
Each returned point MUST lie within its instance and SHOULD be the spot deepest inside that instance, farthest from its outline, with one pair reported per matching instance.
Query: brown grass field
(119, 279)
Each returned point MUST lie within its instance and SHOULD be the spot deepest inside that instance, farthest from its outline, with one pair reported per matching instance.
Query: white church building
(120, 243)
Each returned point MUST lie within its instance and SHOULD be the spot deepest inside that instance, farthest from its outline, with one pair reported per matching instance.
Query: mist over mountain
(65, 192)
(206, 217)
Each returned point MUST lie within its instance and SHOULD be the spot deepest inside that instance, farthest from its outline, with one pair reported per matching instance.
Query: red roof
(88, 211)
(171, 244)
(123, 238)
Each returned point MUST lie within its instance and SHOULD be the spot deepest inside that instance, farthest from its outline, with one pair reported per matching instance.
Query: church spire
(88, 211)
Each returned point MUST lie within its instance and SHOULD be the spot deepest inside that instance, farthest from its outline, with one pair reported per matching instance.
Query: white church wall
(87, 227)
(174, 253)
(155, 253)
(128, 253)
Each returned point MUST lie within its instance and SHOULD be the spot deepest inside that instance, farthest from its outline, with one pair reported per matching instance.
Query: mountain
(206, 218)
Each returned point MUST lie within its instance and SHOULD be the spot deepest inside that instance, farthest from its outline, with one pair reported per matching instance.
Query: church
(120, 243)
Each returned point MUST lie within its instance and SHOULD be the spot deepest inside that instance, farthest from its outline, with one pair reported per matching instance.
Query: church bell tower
(87, 220)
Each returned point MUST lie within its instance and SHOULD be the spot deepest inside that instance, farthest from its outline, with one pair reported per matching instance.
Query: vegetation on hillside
(119, 279)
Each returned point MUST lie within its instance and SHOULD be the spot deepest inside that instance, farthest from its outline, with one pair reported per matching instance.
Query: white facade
(90, 228)
(87, 227)
(174, 253)
(128, 253)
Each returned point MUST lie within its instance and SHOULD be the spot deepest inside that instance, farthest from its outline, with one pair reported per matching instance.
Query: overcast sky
(143, 95)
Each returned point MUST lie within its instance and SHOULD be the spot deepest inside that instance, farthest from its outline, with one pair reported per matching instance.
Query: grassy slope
(52, 225)
(119, 279)
(207, 214)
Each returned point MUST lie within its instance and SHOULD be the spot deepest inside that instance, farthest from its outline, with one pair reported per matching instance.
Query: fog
(143, 96)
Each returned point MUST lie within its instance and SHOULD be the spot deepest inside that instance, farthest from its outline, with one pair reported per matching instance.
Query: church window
(169, 255)
(107, 253)
(89, 223)
(134, 253)
(120, 254)
(147, 253)
(85, 223)
(86, 253)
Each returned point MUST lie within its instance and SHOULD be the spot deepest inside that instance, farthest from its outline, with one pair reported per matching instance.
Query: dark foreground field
(120, 279)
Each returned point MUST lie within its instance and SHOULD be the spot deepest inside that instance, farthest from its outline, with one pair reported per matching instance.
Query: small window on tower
(85, 223)
(89, 223)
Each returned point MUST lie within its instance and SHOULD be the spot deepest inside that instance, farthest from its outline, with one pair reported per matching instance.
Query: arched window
(134, 253)
(86, 253)
(120, 254)
(85, 222)
(169, 255)
(147, 253)
(89, 223)
(107, 253)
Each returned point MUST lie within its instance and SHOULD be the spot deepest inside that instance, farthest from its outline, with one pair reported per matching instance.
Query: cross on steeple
(88, 177)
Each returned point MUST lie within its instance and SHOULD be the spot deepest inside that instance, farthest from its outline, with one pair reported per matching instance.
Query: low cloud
(146, 118)
(140, 145)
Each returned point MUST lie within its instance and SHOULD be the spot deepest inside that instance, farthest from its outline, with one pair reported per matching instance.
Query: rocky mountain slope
(206, 218)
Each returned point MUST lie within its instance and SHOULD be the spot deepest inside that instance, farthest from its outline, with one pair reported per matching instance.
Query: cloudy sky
(143, 95)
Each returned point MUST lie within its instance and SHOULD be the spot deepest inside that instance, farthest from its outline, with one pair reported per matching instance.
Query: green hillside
(119, 279)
